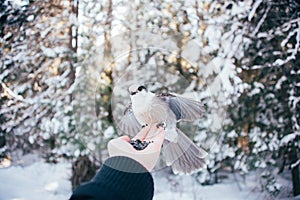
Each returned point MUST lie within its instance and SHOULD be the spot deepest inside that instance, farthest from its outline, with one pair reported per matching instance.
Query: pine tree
(36, 74)
(266, 114)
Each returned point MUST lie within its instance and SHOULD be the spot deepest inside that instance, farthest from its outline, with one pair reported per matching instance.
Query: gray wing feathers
(175, 107)
(128, 125)
(184, 156)
(183, 108)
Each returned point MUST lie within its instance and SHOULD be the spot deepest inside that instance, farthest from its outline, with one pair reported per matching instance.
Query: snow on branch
(297, 41)
(9, 92)
(254, 8)
(279, 62)
(261, 21)
(288, 138)
(286, 40)
(295, 164)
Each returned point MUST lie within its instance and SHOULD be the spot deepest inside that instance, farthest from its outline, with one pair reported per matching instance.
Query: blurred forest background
(61, 59)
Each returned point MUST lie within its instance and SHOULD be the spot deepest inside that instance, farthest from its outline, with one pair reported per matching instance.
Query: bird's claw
(143, 126)
(161, 124)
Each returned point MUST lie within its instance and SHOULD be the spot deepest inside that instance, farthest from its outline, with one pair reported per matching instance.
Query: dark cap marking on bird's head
(134, 89)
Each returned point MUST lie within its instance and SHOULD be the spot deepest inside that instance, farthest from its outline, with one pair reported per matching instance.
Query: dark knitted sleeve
(120, 178)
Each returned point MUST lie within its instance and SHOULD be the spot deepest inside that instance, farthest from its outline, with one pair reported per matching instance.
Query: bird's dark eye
(141, 88)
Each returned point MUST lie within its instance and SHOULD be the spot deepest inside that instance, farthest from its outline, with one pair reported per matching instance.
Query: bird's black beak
(132, 93)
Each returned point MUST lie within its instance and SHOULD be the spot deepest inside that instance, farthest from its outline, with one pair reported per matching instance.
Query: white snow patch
(295, 164)
(169, 187)
(280, 81)
(48, 52)
(286, 139)
(37, 181)
(279, 62)
(254, 8)
(109, 132)
(52, 182)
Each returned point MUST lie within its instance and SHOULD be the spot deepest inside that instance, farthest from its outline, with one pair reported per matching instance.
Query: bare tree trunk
(73, 29)
(295, 171)
(73, 41)
(107, 34)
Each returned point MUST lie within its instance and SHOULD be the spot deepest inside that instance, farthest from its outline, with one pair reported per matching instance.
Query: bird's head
(137, 90)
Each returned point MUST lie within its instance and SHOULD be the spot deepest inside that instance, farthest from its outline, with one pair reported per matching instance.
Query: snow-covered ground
(35, 182)
(169, 187)
(45, 181)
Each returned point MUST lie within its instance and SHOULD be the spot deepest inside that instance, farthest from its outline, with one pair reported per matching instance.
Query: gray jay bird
(147, 108)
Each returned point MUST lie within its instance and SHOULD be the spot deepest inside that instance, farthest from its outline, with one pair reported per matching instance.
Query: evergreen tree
(36, 74)
(265, 115)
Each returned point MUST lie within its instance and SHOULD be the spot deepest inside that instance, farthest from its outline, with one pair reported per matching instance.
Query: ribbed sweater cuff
(127, 177)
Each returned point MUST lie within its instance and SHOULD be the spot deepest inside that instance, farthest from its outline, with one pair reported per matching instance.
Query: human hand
(148, 156)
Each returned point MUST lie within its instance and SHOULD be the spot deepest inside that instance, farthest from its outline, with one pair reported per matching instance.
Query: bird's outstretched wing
(128, 125)
(183, 108)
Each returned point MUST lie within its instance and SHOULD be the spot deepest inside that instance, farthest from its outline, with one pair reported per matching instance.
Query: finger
(154, 131)
(143, 133)
(125, 137)
(159, 136)
(156, 140)
(122, 138)
(118, 141)
(119, 146)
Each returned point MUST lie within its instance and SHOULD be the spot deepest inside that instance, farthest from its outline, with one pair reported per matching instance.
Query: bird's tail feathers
(184, 156)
